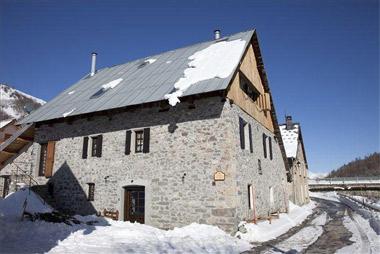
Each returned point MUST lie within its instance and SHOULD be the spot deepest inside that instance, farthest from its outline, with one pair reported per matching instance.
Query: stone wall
(19, 167)
(273, 171)
(298, 189)
(177, 172)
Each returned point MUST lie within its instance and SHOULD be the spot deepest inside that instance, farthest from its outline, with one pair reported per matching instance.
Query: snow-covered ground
(264, 231)
(364, 238)
(303, 238)
(330, 195)
(105, 236)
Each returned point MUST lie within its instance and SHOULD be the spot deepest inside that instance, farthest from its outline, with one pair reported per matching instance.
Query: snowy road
(333, 228)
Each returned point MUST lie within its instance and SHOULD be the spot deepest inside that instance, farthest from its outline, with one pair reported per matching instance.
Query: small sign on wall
(219, 176)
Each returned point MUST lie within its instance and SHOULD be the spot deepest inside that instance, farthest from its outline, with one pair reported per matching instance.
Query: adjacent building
(295, 152)
(189, 135)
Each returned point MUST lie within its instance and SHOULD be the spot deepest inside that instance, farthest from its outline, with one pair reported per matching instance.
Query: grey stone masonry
(187, 146)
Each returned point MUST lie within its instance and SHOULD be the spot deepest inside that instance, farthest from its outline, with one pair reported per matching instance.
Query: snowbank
(329, 195)
(218, 60)
(109, 236)
(263, 231)
(100, 235)
(13, 204)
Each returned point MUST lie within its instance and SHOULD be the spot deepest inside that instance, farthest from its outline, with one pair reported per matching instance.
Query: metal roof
(141, 84)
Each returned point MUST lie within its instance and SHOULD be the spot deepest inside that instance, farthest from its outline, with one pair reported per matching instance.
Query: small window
(250, 196)
(270, 148)
(43, 157)
(245, 135)
(259, 167)
(91, 191)
(248, 88)
(265, 145)
(139, 141)
(94, 146)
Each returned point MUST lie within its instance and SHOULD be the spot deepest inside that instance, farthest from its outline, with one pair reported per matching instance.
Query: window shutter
(270, 148)
(99, 141)
(128, 142)
(250, 138)
(146, 140)
(264, 145)
(85, 148)
(241, 128)
(50, 159)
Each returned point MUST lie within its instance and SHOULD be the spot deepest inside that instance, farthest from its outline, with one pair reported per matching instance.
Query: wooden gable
(261, 108)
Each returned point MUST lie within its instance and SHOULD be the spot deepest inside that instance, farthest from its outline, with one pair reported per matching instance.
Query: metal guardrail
(345, 180)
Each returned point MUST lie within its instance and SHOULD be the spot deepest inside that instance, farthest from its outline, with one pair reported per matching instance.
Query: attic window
(222, 39)
(141, 65)
(99, 93)
(248, 87)
(104, 88)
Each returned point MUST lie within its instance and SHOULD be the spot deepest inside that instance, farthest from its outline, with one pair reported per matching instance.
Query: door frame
(127, 193)
(148, 197)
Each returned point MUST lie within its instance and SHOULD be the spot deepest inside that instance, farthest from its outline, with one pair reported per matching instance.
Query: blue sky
(321, 57)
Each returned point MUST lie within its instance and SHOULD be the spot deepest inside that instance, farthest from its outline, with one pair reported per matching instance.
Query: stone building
(295, 151)
(189, 135)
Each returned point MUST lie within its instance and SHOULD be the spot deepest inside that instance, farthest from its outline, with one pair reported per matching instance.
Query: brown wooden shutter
(250, 138)
(146, 140)
(99, 144)
(128, 142)
(241, 128)
(265, 145)
(50, 159)
(85, 147)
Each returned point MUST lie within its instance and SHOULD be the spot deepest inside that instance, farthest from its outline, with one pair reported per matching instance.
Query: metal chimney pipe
(93, 63)
(289, 122)
(217, 34)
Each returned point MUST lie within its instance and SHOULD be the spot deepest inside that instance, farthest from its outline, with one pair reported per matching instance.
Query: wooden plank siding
(255, 109)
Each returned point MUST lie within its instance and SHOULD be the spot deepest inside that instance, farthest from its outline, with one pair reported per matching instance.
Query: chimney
(93, 63)
(217, 34)
(289, 122)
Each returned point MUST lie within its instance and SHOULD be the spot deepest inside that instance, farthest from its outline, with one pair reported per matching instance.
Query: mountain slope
(368, 166)
(15, 104)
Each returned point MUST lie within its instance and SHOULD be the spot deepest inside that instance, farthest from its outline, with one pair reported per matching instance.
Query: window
(270, 148)
(245, 135)
(91, 191)
(43, 157)
(250, 196)
(248, 88)
(265, 145)
(96, 147)
(139, 141)
(259, 167)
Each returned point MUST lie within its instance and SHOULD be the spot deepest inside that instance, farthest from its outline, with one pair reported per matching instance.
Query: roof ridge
(167, 51)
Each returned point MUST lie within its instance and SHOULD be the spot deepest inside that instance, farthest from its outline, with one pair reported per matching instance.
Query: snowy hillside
(15, 104)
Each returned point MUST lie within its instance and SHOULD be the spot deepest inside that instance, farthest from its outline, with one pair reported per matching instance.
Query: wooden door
(134, 204)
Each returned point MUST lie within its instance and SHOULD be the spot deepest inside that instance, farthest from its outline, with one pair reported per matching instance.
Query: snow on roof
(5, 122)
(216, 61)
(150, 78)
(290, 139)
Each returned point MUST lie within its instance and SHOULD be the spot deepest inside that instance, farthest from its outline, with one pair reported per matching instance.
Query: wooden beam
(25, 139)
(8, 152)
